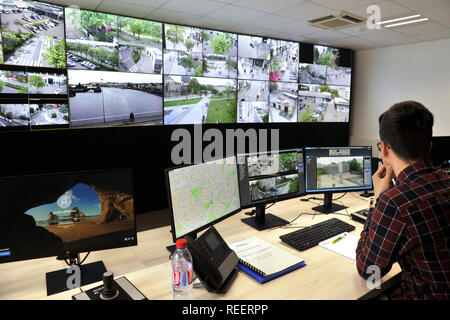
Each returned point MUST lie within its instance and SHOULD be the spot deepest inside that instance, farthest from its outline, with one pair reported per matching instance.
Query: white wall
(386, 76)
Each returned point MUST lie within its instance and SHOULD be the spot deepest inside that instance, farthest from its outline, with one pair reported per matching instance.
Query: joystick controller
(109, 290)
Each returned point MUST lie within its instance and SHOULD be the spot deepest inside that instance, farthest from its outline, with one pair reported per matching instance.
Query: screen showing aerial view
(104, 98)
(190, 100)
(340, 172)
(338, 168)
(33, 34)
(324, 88)
(263, 176)
(258, 73)
(201, 194)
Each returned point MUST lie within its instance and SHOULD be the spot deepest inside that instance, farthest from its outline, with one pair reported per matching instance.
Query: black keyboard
(311, 236)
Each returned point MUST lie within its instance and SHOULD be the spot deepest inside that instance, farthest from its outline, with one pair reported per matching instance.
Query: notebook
(344, 244)
(263, 261)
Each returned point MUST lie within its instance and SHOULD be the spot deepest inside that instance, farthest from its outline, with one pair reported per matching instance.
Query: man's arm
(381, 239)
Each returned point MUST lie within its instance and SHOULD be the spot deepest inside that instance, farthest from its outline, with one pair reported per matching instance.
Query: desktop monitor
(65, 214)
(268, 177)
(201, 195)
(440, 151)
(337, 169)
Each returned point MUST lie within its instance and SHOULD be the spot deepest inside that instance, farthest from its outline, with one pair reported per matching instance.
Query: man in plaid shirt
(410, 221)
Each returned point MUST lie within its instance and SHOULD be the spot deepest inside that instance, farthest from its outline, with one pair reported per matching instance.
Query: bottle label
(181, 279)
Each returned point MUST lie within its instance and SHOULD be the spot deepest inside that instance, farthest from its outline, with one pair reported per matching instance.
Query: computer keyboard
(311, 236)
(360, 216)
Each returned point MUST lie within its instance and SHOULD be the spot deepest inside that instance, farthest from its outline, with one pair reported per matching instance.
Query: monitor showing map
(201, 195)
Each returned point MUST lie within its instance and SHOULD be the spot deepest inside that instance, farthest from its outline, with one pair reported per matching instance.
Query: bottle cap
(181, 243)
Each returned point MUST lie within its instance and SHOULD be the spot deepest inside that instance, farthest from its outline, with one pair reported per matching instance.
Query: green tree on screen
(56, 55)
(221, 45)
(36, 81)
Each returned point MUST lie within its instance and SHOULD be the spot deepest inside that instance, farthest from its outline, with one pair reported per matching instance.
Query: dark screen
(50, 215)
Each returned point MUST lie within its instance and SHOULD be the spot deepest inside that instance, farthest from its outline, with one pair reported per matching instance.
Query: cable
(84, 259)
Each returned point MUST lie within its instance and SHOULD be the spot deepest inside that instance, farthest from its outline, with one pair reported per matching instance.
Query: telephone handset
(214, 262)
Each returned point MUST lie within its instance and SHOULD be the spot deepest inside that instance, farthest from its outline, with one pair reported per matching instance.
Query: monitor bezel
(169, 198)
(68, 253)
(340, 190)
(276, 198)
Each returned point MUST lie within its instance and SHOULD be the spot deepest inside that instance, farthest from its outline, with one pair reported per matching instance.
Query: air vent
(338, 20)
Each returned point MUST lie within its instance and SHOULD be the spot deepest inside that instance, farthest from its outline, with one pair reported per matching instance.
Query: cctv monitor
(65, 214)
(201, 195)
(337, 169)
(267, 178)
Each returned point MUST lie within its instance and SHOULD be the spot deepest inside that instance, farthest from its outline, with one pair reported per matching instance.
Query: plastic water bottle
(182, 272)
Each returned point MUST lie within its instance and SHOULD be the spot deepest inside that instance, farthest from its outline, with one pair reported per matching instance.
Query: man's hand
(382, 180)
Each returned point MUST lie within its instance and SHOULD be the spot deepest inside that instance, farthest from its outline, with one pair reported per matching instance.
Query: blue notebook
(264, 261)
(262, 279)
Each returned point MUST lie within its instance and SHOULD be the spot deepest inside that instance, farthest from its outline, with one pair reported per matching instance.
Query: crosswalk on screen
(202, 194)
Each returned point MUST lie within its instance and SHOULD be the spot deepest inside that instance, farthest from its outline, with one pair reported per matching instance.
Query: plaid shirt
(410, 224)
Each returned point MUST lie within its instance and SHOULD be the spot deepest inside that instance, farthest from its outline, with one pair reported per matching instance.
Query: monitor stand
(89, 273)
(366, 194)
(173, 247)
(262, 220)
(328, 205)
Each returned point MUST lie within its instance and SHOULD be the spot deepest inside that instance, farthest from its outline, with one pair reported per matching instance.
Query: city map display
(203, 193)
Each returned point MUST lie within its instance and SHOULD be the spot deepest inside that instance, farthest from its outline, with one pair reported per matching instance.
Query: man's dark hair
(408, 128)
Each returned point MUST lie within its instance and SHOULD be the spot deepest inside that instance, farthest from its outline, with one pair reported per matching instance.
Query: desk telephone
(214, 262)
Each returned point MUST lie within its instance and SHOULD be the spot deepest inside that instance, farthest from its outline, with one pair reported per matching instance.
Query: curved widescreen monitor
(202, 194)
(64, 67)
(338, 169)
(66, 213)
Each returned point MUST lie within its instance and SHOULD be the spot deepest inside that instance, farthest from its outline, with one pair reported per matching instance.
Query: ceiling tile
(420, 5)
(422, 29)
(441, 13)
(327, 35)
(225, 1)
(211, 23)
(83, 4)
(301, 29)
(388, 9)
(387, 37)
(198, 7)
(267, 5)
(233, 13)
(151, 3)
(344, 4)
(354, 43)
(434, 36)
(124, 8)
(304, 11)
(173, 17)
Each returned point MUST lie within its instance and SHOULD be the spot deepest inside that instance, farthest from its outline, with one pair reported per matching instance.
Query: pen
(337, 239)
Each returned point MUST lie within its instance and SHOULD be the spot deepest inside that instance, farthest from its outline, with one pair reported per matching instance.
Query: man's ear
(385, 149)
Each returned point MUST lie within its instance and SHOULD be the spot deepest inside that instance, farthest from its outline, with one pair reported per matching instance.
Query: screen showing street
(110, 70)
(264, 176)
(338, 168)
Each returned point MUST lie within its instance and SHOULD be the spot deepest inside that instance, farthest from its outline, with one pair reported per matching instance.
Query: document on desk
(264, 258)
(344, 244)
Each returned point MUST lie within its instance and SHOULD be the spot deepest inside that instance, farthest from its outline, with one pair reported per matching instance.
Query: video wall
(71, 68)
